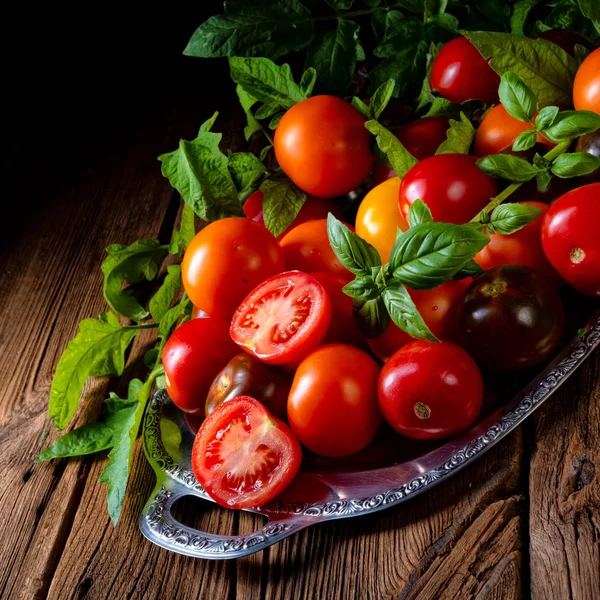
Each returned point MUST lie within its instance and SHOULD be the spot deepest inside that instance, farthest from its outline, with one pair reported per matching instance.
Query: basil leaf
(254, 28)
(470, 269)
(508, 218)
(97, 350)
(575, 164)
(444, 108)
(519, 16)
(518, 100)
(161, 301)
(544, 67)
(362, 288)
(362, 108)
(543, 179)
(569, 124)
(429, 254)
(404, 313)
(419, 213)
(524, 141)
(130, 264)
(247, 101)
(371, 316)
(458, 138)
(332, 53)
(246, 169)
(281, 204)
(357, 255)
(546, 117)
(508, 167)
(381, 97)
(398, 156)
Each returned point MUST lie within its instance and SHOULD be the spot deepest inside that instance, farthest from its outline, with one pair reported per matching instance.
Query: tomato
(243, 456)
(570, 238)
(332, 406)
(379, 217)
(312, 209)
(498, 130)
(199, 314)
(511, 318)
(524, 247)
(322, 145)
(307, 249)
(451, 185)
(565, 39)
(530, 191)
(192, 357)
(245, 375)
(439, 309)
(430, 391)
(225, 261)
(283, 319)
(590, 143)
(460, 73)
(343, 329)
(586, 89)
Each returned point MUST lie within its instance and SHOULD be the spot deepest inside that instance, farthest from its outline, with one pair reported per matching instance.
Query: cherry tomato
(379, 217)
(312, 209)
(245, 375)
(511, 318)
(199, 314)
(451, 185)
(498, 130)
(530, 192)
(430, 391)
(570, 238)
(439, 309)
(460, 73)
(283, 319)
(225, 261)
(565, 39)
(524, 247)
(322, 145)
(586, 89)
(332, 407)
(195, 352)
(590, 143)
(243, 456)
(307, 249)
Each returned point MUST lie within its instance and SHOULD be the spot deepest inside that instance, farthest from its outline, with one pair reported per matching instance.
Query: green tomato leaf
(508, 218)
(97, 350)
(459, 137)
(519, 15)
(524, 141)
(362, 108)
(426, 96)
(87, 439)
(266, 110)
(208, 124)
(444, 108)
(187, 227)
(518, 100)
(246, 169)
(590, 9)
(545, 118)
(130, 264)
(575, 164)
(398, 156)
(371, 316)
(161, 301)
(381, 97)
(570, 124)
(275, 120)
(508, 167)
(247, 101)
(169, 320)
(282, 202)
(419, 213)
(254, 28)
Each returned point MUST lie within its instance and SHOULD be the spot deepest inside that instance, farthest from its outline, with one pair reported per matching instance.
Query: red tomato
(570, 238)
(586, 89)
(225, 261)
(192, 357)
(283, 319)
(451, 185)
(307, 249)
(312, 209)
(524, 247)
(460, 73)
(430, 391)
(439, 309)
(243, 456)
(332, 406)
(565, 39)
(199, 314)
(322, 145)
(343, 329)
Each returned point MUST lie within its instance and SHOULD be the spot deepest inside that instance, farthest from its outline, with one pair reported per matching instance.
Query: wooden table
(525, 519)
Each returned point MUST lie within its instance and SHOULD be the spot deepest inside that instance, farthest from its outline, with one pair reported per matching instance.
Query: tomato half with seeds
(243, 456)
(283, 319)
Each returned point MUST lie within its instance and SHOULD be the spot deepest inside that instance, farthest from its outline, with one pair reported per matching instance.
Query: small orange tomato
(586, 89)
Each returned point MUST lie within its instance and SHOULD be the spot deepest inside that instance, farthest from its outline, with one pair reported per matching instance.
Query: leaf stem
(267, 134)
(141, 326)
(357, 13)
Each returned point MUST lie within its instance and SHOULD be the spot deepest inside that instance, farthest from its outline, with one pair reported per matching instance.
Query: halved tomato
(283, 319)
(243, 456)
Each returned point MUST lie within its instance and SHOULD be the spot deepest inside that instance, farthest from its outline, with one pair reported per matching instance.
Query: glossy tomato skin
(306, 248)
(586, 89)
(194, 354)
(332, 406)
(379, 218)
(322, 145)
(283, 319)
(430, 391)
(524, 247)
(570, 238)
(312, 209)
(451, 185)
(225, 261)
(511, 318)
(460, 73)
(199, 314)
(243, 456)
(245, 375)
(439, 309)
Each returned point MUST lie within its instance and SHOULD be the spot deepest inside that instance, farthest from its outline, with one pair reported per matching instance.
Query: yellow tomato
(379, 217)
